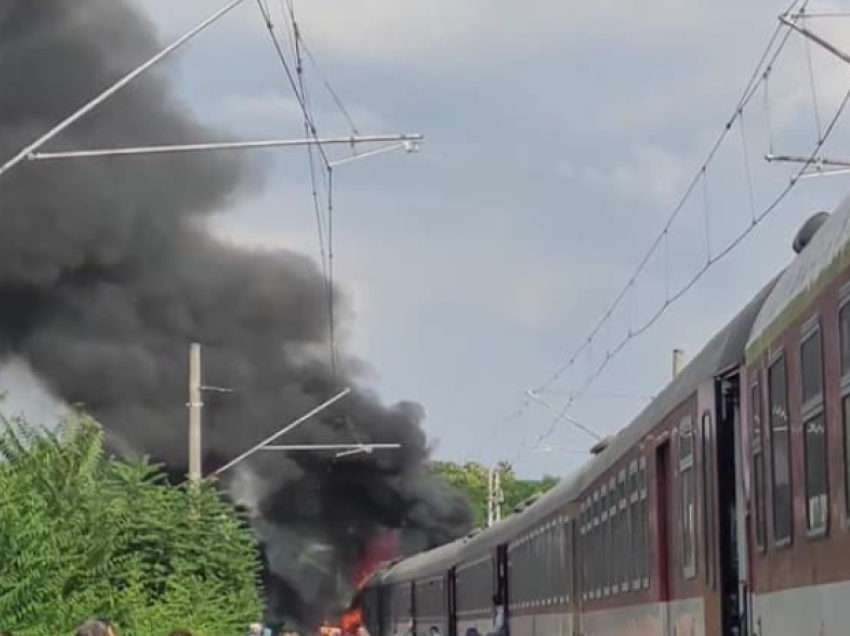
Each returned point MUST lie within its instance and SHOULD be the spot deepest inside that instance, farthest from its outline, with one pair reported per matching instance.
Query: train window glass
(811, 365)
(622, 549)
(585, 553)
(814, 433)
(605, 550)
(780, 443)
(707, 455)
(631, 557)
(758, 467)
(844, 324)
(817, 498)
(596, 569)
(646, 546)
(688, 507)
(585, 558)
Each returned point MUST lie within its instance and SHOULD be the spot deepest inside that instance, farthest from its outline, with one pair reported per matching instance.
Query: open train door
(451, 601)
(500, 600)
(731, 512)
(664, 497)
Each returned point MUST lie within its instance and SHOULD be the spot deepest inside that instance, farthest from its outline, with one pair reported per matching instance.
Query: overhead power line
(766, 212)
(758, 79)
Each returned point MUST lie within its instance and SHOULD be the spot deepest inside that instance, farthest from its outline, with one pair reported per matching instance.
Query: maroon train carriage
(721, 510)
(798, 441)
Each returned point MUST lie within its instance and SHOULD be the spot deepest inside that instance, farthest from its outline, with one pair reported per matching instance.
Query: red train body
(723, 509)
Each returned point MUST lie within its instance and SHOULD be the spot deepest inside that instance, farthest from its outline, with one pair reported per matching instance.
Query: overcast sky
(559, 137)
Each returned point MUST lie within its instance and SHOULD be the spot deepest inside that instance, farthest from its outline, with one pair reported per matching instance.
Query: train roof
(809, 273)
(723, 352)
(430, 563)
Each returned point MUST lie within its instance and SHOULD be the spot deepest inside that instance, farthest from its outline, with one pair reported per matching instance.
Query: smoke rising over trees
(108, 272)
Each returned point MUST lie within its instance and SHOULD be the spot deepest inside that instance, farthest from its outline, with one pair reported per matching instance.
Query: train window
(817, 511)
(707, 495)
(622, 549)
(780, 443)
(811, 365)
(605, 550)
(814, 430)
(758, 467)
(586, 551)
(688, 507)
(595, 571)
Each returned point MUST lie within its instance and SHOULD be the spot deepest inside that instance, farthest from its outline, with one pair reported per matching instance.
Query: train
(722, 509)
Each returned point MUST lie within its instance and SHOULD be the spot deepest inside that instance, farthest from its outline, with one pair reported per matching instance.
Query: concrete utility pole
(494, 496)
(195, 405)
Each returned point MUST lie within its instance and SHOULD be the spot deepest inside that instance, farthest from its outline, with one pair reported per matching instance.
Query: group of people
(257, 629)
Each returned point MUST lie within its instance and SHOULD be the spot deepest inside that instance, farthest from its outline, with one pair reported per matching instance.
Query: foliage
(83, 535)
(471, 479)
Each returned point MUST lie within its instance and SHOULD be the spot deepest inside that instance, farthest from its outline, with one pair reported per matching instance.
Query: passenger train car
(723, 509)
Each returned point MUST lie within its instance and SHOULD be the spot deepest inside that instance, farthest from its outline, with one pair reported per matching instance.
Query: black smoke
(108, 272)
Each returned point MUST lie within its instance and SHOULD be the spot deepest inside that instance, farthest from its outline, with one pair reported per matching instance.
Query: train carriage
(798, 430)
(723, 509)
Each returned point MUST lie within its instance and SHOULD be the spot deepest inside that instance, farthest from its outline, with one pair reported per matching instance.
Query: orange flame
(351, 620)
(379, 551)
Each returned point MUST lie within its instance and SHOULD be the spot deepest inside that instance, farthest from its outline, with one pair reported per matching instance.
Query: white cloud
(427, 29)
(792, 93)
(649, 172)
(271, 106)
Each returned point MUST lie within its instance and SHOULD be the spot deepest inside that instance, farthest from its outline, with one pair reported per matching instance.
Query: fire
(351, 620)
(380, 551)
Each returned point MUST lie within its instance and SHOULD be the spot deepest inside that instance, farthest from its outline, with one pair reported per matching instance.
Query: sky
(559, 137)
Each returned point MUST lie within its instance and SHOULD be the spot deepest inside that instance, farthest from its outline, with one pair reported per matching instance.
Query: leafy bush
(83, 535)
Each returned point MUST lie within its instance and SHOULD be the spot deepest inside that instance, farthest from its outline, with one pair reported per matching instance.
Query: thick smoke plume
(107, 273)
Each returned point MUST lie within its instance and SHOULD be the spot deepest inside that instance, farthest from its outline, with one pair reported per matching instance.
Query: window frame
(622, 531)
(634, 547)
(708, 486)
(603, 541)
(810, 410)
(758, 431)
(687, 498)
(777, 357)
(585, 549)
(595, 572)
(844, 374)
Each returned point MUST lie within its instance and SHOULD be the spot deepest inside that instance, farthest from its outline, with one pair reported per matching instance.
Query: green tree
(83, 535)
(471, 480)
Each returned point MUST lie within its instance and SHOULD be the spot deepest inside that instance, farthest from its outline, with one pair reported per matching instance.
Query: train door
(731, 504)
(574, 578)
(413, 608)
(451, 601)
(663, 501)
(500, 591)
